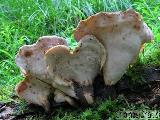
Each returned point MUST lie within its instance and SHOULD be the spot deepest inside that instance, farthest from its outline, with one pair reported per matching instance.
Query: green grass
(150, 10)
(23, 21)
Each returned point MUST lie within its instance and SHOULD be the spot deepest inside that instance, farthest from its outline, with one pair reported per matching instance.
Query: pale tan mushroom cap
(89, 52)
(34, 91)
(110, 22)
(30, 58)
(80, 65)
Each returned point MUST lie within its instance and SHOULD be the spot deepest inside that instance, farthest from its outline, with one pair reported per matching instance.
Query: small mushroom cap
(122, 34)
(34, 91)
(30, 58)
(61, 97)
(80, 65)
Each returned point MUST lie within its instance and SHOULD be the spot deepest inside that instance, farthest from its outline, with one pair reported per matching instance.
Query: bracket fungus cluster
(122, 34)
(107, 42)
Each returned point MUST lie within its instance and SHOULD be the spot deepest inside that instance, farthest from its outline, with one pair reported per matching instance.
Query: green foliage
(150, 11)
(23, 21)
(150, 56)
(106, 110)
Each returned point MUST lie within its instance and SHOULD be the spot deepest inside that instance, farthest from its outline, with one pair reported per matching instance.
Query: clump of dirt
(6, 111)
(147, 92)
